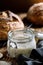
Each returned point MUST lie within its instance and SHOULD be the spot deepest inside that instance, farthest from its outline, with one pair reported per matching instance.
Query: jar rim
(24, 39)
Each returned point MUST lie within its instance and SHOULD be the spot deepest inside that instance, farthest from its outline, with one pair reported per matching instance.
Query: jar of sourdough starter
(20, 42)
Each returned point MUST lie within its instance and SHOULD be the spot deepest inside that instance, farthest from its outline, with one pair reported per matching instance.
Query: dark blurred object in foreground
(36, 58)
(37, 54)
(23, 60)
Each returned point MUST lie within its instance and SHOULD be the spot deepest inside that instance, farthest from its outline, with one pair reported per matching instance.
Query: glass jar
(20, 42)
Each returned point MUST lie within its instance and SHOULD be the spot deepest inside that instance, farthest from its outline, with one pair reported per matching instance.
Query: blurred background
(17, 5)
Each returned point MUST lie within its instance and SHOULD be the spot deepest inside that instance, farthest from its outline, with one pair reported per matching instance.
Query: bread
(35, 14)
(9, 21)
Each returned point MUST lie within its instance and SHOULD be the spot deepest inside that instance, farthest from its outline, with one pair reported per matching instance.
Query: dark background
(17, 5)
